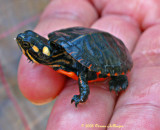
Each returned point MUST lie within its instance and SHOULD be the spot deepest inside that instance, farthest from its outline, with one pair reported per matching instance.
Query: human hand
(138, 106)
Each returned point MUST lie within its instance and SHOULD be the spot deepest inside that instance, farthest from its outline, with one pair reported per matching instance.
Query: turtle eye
(26, 44)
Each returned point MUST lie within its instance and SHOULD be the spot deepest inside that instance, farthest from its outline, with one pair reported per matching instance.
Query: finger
(141, 102)
(145, 13)
(99, 107)
(39, 83)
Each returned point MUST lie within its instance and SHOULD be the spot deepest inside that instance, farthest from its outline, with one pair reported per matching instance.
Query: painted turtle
(84, 54)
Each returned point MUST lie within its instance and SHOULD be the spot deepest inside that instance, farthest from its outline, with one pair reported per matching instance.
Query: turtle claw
(76, 99)
(111, 88)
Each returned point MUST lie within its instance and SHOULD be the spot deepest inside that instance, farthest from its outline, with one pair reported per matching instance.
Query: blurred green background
(16, 112)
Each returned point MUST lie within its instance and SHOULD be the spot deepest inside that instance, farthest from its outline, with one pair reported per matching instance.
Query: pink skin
(137, 107)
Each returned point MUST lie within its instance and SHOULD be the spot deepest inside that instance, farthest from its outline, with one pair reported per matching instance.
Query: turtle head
(35, 47)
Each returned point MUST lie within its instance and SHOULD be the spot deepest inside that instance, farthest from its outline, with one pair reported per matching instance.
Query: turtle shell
(95, 49)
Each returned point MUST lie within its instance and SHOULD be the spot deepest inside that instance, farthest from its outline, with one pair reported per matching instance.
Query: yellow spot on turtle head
(46, 51)
(35, 49)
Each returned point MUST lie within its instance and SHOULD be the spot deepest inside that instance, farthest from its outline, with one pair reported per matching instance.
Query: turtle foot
(118, 83)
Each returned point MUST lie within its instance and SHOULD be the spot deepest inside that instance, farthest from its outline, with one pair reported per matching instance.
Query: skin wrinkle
(154, 106)
(149, 57)
(139, 120)
(151, 52)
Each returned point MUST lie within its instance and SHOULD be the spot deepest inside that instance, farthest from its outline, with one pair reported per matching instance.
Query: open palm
(136, 24)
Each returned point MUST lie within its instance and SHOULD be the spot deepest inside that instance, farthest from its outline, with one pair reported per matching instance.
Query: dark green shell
(95, 49)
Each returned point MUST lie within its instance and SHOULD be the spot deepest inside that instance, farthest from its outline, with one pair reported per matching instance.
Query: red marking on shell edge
(90, 66)
(116, 74)
(97, 80)
(75, 77)
(108, 74)
(55, 40)
(99, 72)
(71, 53)
(80, 60)
(122, 73)
(69, 74)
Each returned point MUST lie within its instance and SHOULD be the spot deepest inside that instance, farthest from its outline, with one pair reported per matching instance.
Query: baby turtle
(84, 54)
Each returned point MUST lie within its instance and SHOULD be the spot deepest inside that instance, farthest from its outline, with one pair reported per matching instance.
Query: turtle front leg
(118, 83)
(83, 89)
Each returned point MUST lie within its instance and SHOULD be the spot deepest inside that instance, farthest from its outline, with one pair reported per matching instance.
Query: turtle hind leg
(83, 89)
(118, 83)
